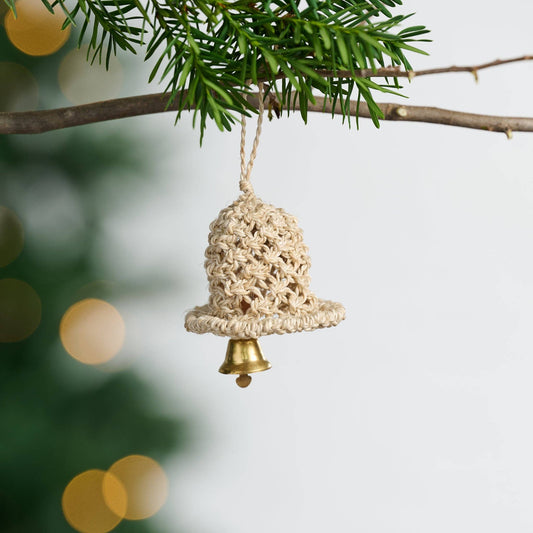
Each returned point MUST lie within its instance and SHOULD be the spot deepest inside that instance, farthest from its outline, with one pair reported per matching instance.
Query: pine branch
(207, 51)
(29, 122)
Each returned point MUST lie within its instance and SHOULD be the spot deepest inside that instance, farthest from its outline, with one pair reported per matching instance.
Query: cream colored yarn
(258, 270)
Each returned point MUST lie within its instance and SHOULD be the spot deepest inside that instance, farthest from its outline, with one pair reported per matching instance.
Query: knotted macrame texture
(258, 271)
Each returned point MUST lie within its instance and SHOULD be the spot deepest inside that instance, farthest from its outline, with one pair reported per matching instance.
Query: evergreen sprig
(209, 51)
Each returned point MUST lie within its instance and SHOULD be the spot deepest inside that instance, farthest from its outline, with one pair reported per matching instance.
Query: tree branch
(396, 72)
(42, 121)
(436, 115)
(55, 119)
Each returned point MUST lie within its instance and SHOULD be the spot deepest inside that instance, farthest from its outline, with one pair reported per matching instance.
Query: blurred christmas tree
(59, 417)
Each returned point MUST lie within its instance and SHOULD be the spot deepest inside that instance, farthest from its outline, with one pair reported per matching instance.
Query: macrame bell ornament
(258, 271)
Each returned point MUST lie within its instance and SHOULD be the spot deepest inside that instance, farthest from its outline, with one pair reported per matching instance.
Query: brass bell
(243, 357)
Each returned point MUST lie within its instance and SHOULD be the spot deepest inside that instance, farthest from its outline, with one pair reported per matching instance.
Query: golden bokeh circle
(35, 31)
(84, 506)
(20, 310)
(11, 232)
(92, 331)
(146, 485)
(82, 82)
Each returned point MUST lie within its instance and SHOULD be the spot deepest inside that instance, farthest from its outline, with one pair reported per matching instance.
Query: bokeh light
(84, 506)
(36, 31)
(20, 310)
(11, 232)
(19, 90)
(146, 485)
(92, 331)
(83, 82)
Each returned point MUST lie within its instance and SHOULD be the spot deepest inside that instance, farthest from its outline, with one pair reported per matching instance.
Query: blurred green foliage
(58, 417)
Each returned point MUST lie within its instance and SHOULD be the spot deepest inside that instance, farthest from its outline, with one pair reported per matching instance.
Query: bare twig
(473, 69)
(397, 72)
(436, 115)
(67, 117)
(54, 119)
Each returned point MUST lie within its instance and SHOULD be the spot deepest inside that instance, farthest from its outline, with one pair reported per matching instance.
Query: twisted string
(246, 169)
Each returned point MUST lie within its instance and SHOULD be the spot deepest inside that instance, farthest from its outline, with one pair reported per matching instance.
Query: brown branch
(473, 69)
(396, 72)
(436, 115)
(67, 117)
(54, 119)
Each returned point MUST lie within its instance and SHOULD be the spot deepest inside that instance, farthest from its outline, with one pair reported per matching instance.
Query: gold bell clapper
(243, 357)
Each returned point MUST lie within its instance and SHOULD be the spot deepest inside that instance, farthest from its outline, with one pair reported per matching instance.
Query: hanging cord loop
(246, 169)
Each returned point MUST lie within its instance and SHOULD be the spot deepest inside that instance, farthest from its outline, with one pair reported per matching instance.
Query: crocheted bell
(258, 271)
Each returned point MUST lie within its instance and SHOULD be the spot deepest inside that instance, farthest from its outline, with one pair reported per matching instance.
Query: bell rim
(202, 320)
(246, 368)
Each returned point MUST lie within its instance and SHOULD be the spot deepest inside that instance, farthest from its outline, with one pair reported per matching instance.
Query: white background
(414, 415)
